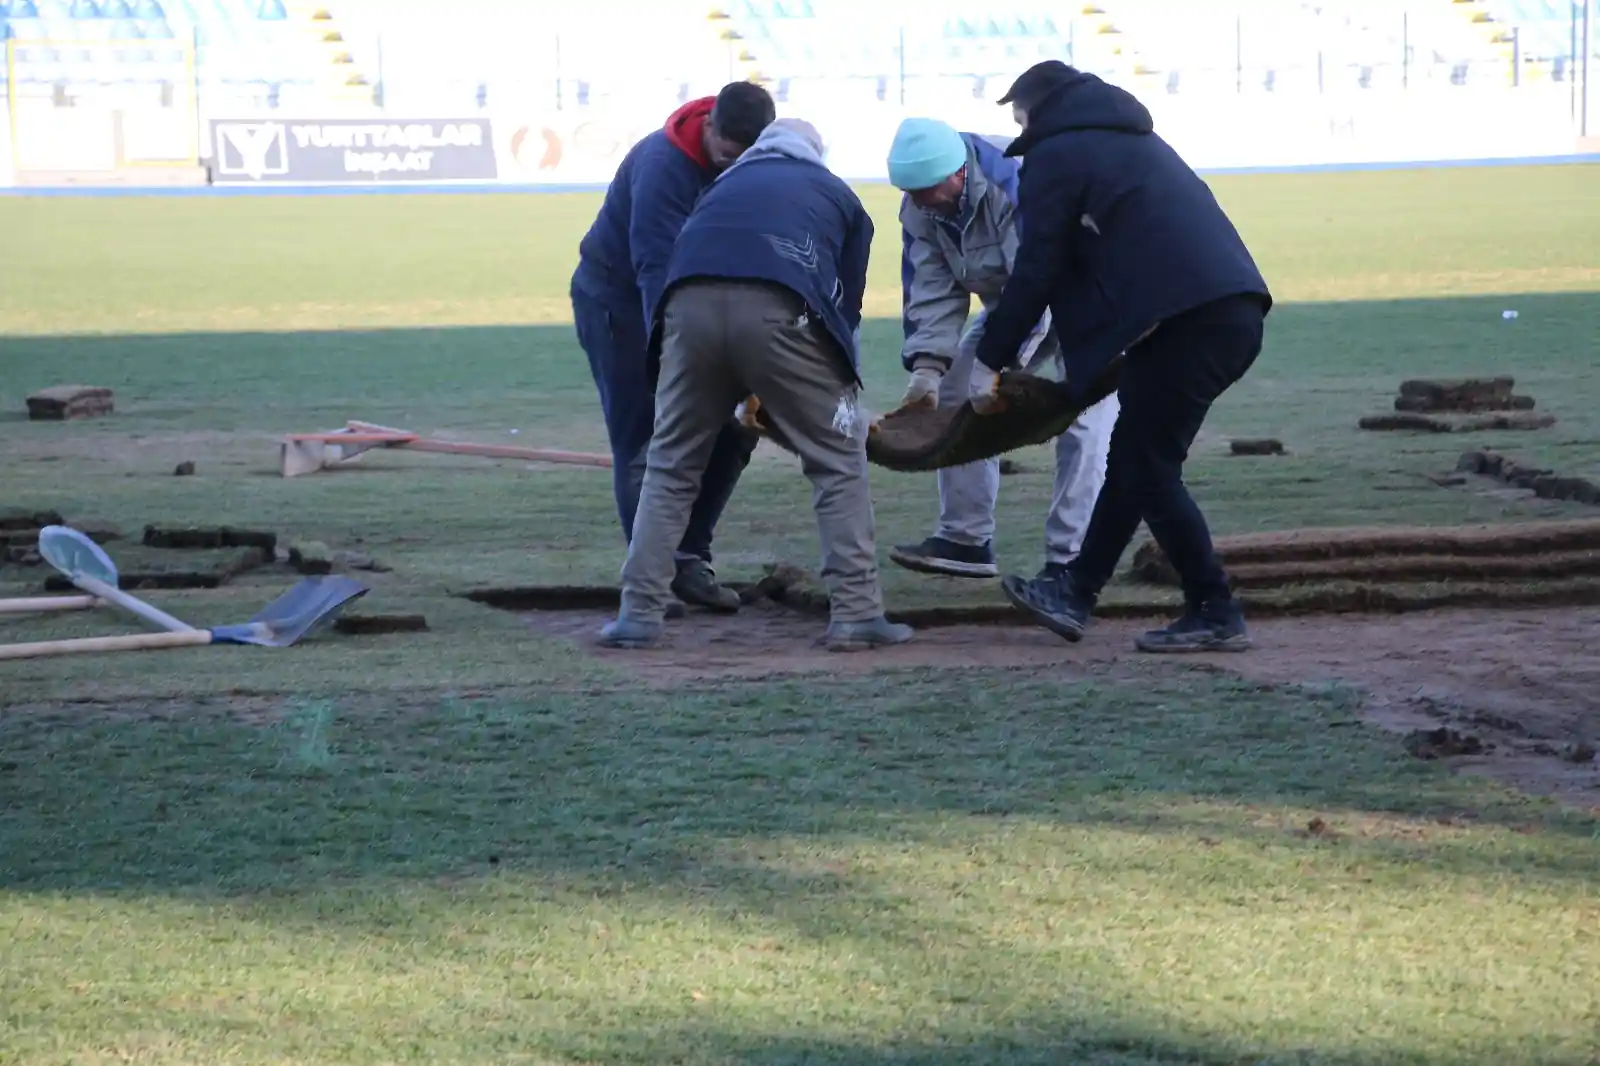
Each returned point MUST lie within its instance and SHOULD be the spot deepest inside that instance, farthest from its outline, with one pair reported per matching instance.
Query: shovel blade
(72, 552)
(305, 608)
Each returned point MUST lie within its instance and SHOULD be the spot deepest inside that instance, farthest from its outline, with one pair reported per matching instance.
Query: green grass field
(478, 845)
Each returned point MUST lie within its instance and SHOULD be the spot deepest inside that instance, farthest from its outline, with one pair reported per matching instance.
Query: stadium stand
(1168, 45)
(478, 53)
(1538, 36)
(492, 52)
(254, 49)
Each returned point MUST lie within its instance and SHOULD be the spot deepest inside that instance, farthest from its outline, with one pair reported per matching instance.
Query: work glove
(923, 388)
(982, 389)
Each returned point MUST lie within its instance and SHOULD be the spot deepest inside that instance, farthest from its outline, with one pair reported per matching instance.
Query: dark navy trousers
(1169, 382)
(611, 331)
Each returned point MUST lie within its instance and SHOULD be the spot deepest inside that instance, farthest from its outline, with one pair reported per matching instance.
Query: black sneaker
(939, 556)
(1209, 627)
(696, 583)
(1052, 600)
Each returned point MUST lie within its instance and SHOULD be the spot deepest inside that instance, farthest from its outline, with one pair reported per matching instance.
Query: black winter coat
(1118, 233)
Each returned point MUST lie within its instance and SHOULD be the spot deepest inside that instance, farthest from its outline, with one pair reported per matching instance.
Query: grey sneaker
(696, 583)
(630, 633)
(1209, 627)
(939, 556)
(865, 636)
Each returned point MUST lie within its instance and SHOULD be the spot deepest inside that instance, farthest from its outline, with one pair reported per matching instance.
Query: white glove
(923, 388)
(982, 384)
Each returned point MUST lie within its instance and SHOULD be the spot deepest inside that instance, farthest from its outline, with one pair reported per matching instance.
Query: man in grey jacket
(960, 232)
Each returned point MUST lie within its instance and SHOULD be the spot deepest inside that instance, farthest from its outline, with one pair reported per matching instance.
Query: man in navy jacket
(1129, 249)
(763, 296)
(622, 266)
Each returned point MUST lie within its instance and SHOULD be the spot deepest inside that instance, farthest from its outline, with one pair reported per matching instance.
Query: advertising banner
(259, 151)
(574, 148)
(583, 147)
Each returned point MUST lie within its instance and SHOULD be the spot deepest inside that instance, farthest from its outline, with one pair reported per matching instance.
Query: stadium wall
(508, 148)
(582, 148)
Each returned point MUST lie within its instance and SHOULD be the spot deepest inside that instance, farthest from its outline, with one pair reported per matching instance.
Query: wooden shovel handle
(352, 438)
(492, 451)
(131, 642)
(40, 604)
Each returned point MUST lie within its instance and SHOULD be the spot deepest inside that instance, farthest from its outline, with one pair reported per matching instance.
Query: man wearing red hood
(622, 265)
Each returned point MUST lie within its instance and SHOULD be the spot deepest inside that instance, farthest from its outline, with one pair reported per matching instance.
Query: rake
(308, 606)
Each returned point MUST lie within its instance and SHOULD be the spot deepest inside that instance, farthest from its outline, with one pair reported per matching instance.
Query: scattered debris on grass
(19, 533)
(1319, 829)
(62, 403)
(1263, 446)
(199, 537)
(1460, 406)
(1459, 423)
(1463, 395)
(1442, 743)
(140, 567)
(1542, 482)
(315, 557)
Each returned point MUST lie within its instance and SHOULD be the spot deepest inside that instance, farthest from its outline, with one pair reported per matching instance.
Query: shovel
(306, 607)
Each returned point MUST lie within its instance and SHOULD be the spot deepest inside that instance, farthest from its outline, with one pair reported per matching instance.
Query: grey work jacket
(947, 274)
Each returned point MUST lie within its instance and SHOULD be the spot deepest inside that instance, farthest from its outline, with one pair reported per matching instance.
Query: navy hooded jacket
(623, 257)
(1118, 232)
(780, 215)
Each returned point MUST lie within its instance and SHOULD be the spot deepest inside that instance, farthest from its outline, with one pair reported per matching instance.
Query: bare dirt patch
(1523, 685)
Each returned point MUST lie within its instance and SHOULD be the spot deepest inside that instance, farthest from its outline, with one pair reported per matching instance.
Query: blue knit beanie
(924, 153)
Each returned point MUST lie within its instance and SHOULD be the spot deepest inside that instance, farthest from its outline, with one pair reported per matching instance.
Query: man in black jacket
(1130, 251)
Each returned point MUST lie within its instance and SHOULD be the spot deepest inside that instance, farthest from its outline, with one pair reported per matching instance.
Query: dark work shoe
(939, 556)
(696, 583)
(864, 636)
(1052, 600)
(676, 610)
(630, 633)
(1210, 627)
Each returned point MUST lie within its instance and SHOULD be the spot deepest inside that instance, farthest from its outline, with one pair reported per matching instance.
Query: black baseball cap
(1037, 81)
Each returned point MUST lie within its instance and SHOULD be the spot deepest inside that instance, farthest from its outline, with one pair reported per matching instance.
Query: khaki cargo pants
(723, 340)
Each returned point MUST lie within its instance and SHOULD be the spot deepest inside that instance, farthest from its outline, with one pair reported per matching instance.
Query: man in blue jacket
(763, 296)
(960, 230)
(622, 266)
(1129, 249)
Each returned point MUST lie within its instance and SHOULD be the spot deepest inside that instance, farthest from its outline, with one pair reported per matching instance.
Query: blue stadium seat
(1543, 27)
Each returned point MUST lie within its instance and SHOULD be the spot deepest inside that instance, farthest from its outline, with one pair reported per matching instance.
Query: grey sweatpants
(723, 341)
(967, 493)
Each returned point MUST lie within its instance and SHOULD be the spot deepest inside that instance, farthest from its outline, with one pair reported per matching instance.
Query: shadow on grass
(227, 380)
(1055, 1039)
(663, 787)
